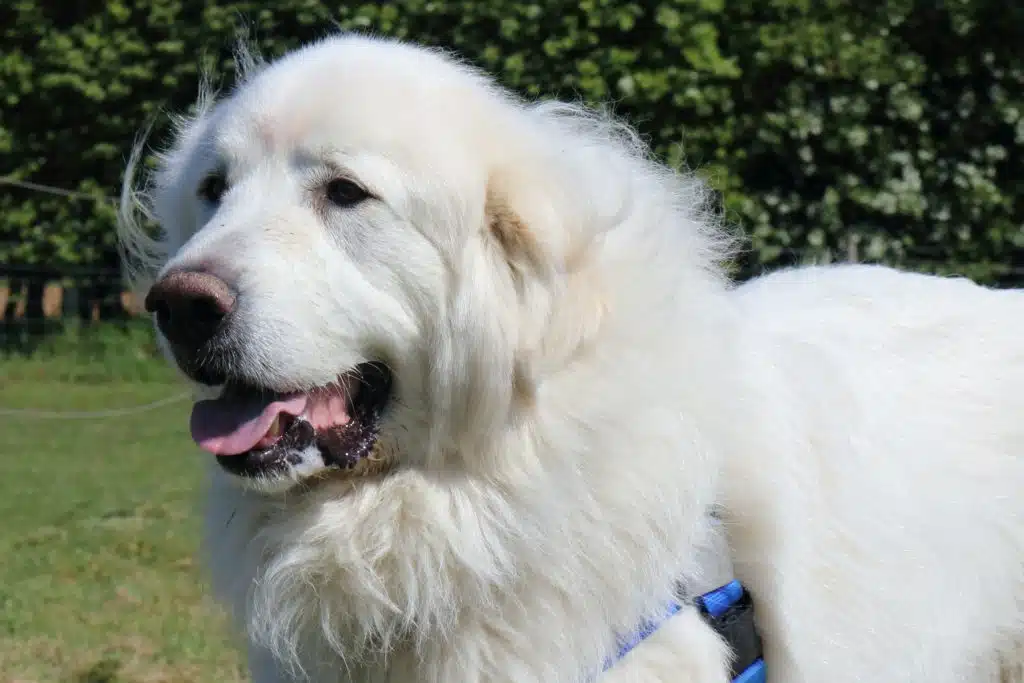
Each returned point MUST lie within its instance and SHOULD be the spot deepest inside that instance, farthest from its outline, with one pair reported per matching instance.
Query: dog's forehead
(336, 95)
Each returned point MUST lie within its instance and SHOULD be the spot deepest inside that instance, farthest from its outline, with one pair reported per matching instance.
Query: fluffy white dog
(475, 379)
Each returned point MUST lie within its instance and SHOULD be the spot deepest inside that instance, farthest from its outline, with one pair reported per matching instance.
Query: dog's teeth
(275, 428)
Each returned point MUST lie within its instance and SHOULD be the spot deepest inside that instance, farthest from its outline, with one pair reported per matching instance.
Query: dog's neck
(414, 572)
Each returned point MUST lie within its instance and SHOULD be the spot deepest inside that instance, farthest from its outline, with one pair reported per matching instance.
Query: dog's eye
(213, 187)
(344, 193)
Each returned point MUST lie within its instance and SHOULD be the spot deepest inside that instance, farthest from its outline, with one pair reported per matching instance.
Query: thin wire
(93, 414)
(50, 189)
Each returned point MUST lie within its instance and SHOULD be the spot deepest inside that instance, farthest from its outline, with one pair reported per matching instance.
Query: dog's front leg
(683, 650)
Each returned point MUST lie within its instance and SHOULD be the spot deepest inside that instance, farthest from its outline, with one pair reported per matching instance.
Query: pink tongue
(235, 425)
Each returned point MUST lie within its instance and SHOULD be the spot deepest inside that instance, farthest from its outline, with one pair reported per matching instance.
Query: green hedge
(882, 131)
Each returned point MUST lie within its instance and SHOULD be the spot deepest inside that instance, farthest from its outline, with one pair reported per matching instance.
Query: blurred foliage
(833, 129)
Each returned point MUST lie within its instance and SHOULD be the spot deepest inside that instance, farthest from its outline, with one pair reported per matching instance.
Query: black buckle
(736, 626)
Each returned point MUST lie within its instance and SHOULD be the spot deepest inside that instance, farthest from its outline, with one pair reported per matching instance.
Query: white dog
(475, 382)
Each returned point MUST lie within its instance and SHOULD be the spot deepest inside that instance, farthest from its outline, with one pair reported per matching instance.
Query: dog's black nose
(190, 307)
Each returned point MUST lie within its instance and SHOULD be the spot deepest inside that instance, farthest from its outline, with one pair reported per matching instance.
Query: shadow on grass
(106, 670)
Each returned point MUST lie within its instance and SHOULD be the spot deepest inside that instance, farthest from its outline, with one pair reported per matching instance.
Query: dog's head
(373, 257)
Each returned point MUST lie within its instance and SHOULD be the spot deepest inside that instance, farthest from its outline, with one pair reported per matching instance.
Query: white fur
(569, 409)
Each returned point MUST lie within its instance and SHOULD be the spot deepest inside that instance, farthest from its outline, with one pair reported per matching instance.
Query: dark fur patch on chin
(377, 462)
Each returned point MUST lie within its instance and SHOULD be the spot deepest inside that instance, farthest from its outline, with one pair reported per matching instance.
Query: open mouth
(253, 431)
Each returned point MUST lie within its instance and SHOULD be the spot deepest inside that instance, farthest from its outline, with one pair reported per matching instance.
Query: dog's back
(875, 474)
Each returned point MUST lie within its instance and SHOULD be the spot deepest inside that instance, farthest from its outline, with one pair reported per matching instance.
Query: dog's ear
(526, 259)
(480, 374)
(539, 233)
(525, 301)
(523, 224)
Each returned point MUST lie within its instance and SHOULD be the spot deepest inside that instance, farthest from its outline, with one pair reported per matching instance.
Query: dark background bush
(834, 129)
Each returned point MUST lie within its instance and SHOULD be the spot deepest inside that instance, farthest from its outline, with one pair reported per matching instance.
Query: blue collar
(729, 610)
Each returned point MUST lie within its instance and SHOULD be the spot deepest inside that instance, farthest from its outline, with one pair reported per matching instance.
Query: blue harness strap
(729, 610)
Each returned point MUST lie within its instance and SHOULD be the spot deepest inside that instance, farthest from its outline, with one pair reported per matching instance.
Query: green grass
(99, 524)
